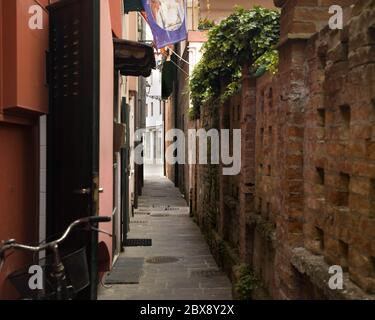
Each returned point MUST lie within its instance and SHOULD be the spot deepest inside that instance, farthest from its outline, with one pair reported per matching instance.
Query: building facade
(68, 99)
(154, 134)
(304, 198)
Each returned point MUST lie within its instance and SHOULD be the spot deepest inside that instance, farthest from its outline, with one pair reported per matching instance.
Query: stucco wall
(106, 119)
(116, 16)
(218, 10)
(18, 195)
(24, 50)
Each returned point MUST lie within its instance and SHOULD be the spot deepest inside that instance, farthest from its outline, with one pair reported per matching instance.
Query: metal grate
(66, 60)
(167, 208)
(160, 215)
(206, 273)
(138, 242)
(138, 222)
(161, 260)
(126, 271)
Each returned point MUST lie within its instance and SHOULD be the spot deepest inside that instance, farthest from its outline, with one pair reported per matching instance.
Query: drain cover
(166, 208)
(142, 213)
(207, 273)
(138, 221)
(138, 242)
(160, 260)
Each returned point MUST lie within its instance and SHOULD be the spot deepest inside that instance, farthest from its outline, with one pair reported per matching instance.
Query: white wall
(154, 142)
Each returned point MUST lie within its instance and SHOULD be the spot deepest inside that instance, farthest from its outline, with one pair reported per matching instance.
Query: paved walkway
(164, 217)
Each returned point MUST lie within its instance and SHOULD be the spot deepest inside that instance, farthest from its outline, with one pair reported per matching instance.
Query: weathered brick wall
(305, 197)
(230, 187)
(207, 181)
(267, 183)
(215, 197)
(339, 167)
(314, 163)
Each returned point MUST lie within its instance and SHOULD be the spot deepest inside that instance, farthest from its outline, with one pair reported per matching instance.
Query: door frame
(93, 163)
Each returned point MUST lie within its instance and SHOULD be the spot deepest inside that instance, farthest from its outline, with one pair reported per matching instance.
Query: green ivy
(205, 24)
(245, 37)
(247, 282)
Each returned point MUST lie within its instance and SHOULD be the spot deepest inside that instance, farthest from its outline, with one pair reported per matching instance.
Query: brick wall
(305, 197)
(314, 163)
(339, 159)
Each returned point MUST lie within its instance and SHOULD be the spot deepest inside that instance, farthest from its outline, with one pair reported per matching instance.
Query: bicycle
(63, 277)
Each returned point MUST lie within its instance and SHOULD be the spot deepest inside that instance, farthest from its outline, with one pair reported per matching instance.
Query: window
(152, 109)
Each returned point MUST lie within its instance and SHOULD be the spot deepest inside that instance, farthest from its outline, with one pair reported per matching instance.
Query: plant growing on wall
(247, 37)
(205, 24)
(246, 283)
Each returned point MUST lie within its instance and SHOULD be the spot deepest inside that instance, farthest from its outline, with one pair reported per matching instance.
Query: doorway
(73, 125)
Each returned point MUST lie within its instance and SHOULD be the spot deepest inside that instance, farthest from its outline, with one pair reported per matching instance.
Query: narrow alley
(187, 150)
(178, 265)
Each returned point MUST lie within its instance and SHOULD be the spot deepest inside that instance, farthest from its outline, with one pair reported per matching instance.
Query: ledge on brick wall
(264, 227)
(316, 269)
(293, 36)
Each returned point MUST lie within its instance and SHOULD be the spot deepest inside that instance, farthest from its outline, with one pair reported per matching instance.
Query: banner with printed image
(167, 20)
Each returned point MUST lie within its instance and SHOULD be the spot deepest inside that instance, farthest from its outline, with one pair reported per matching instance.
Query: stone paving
(163, 216)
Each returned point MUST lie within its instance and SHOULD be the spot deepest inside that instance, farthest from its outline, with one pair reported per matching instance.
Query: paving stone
(172, 236)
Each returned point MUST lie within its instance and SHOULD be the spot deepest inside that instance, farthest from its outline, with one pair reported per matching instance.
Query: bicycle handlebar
(12, 244)
(99, 219)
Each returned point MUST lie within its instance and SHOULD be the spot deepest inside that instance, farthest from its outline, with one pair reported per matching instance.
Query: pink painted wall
(133, 36)
(106, 119)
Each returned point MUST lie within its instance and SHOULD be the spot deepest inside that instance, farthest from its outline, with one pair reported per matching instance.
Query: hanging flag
(167, 20)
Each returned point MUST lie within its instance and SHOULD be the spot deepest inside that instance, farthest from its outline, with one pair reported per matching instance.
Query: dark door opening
(73, 124)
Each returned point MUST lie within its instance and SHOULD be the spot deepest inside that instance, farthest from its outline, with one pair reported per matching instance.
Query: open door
(73, 124)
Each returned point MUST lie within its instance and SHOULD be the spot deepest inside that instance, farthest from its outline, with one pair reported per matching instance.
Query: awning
(133, 5)
(133, 58)
(168, 78)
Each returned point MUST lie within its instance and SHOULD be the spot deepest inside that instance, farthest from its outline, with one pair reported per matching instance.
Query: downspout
(164, 142)
(176, 114)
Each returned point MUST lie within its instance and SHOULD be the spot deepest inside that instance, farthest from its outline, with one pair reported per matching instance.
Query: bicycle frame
(58, 272)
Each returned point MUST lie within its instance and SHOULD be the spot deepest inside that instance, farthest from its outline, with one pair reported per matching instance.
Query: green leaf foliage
(205, 24)
(247, 37)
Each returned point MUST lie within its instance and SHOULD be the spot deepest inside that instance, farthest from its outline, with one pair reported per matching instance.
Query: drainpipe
(164, 143)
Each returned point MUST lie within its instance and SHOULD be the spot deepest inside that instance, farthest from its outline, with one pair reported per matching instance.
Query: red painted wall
(18, 194)
(24, 51)
(116, 7)
(22, 88)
